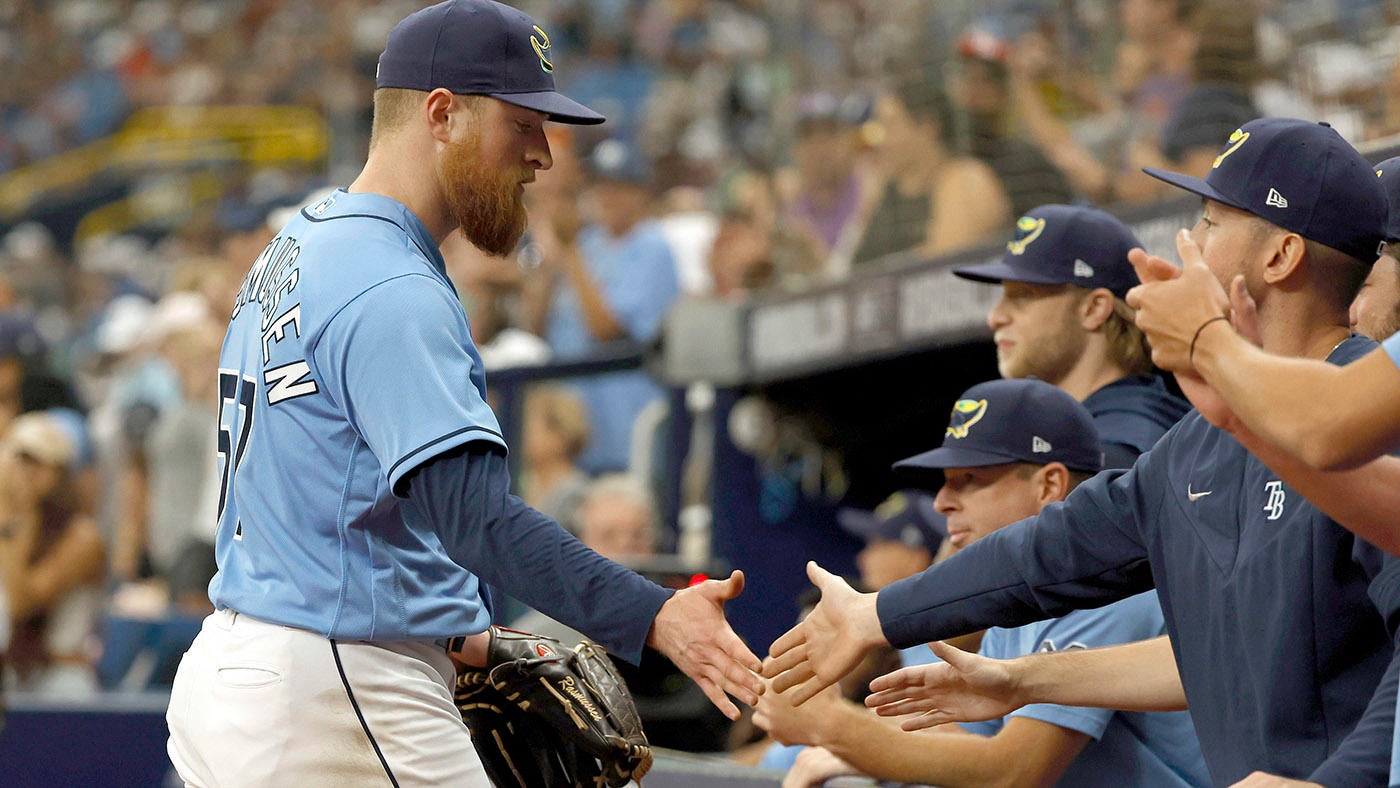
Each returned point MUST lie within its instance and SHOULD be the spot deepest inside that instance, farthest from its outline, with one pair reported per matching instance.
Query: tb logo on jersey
(1274, 506)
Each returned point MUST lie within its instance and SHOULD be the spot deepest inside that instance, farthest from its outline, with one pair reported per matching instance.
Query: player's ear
(1095, 308)
(1288, 250)
(439, 108)
(1052, 483)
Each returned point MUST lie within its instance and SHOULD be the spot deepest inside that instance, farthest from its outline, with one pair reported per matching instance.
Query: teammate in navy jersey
(1279, 617)
(366, 499)
(1062, 318)
(1012, 447)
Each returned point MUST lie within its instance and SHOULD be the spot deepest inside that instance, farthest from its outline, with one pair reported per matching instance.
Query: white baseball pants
(256, 704)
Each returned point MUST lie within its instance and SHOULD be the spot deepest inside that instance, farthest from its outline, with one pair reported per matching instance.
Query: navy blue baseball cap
(1013, 420)
(1300, 176)
(1388, 172)
(478, 47)
(907, 517)
(1064, 244)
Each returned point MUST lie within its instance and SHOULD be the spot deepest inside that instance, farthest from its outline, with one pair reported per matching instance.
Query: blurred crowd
(751, 145)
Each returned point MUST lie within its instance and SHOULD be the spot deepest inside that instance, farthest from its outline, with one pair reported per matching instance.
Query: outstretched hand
(1173, 304)
(691, 630)
(965, 687)
(829, 643)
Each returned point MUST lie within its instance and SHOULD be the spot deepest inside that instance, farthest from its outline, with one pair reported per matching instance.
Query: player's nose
(538, 155)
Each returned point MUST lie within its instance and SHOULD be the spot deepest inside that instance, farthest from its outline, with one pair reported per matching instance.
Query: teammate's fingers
(895, 681)
(738, 680)
(923, 721)
(788, 679)
(1187, 249)
(717, 697)
(789, 640)
(808, 689)
(1244, 313)
(904, 707)
(962, 660)
(820, 577)
(1151, 268)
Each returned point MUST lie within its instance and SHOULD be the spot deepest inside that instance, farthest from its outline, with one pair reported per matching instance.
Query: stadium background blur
(814, 166)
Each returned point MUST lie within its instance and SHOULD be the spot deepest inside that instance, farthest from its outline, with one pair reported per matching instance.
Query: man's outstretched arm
(968, 687)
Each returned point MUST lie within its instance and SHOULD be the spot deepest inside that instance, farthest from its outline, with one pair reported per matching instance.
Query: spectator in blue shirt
(611, 281)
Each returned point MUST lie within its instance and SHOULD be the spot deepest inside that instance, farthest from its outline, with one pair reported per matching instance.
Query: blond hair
(1127, 345)
(394, 107)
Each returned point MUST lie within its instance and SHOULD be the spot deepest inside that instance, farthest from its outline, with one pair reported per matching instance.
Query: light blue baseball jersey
(1129, 748)
(348, 363)
(1392, 348)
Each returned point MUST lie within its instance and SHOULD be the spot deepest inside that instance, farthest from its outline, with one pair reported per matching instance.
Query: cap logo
(541, 47)
(1379, 173)
(1237, 138)
(1028, 228)
(966, 412)
(1275, 199)
(1083, 269)
(1040, 445)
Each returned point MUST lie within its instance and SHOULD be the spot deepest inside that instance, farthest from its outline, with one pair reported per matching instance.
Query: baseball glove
(542, 715)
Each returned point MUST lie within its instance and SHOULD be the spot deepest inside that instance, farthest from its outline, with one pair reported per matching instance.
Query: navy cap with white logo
(1013, 420)
(1064, 244)
(478, 47)
(907, 517)
(1300, 176)
(1388, 172)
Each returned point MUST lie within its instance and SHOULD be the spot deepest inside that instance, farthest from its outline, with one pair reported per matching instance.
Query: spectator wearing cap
(1230, 527)
(1375, 312)
(1062, 319)
(611, 281)
(933, 199)
(902, 535)
(51, 557)
(1011, 448)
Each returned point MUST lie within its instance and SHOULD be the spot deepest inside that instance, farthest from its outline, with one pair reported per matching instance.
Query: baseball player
(1278, 616)
(1062, 318)
(1375, 312)
(365, 496)
(1013, 447)
(1276, 397)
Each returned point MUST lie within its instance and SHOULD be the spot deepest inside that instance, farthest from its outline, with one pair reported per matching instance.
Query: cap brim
(559, 107)
(1193, 185)
(998, 272)
(951, 457)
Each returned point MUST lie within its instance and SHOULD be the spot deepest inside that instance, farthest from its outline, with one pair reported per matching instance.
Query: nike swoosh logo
(1196, 496)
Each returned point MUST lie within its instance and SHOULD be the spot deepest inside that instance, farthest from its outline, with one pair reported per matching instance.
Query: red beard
(485, 204)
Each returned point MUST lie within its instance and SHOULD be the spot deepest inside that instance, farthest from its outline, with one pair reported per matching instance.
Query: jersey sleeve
(1392, 348)
(1082, 552)
(1133, 619)
(1366, 755)
(399, 360)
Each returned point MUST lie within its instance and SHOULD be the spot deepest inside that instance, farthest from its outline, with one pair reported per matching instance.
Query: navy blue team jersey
(1277, 615)
(1131, 414)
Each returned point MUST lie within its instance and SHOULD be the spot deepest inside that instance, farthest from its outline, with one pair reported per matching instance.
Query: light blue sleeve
(642, 296)
(1392, 348)
(399, 360)
(1135, 618)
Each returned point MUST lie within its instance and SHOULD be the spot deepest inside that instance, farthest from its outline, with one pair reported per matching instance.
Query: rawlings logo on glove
(542, 715)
